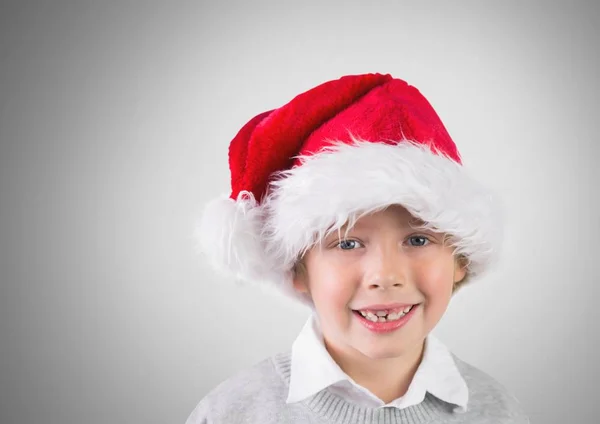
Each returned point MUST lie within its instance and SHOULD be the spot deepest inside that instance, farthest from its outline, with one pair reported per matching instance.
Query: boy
(352, 199)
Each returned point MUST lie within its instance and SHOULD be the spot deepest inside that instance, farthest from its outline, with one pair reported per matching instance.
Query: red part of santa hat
(346, 147)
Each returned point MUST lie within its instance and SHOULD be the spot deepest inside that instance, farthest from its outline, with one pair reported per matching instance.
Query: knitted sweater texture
(258, 395)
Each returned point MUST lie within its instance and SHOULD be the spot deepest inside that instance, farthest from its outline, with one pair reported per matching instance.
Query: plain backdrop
(115, 119)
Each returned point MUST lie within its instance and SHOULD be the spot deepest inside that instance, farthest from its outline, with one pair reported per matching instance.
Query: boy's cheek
(334, 289)
(334, 292)
(434, 273)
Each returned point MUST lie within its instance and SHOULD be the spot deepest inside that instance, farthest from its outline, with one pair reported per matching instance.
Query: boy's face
(382, 260)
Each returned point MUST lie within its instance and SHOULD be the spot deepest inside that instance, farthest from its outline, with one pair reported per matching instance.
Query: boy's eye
(348, 244)
(418, 241)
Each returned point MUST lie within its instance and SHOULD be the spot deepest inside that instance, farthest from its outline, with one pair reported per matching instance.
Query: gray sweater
(258, 395)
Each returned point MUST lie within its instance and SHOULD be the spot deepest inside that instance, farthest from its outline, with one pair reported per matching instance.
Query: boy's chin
(384, 352)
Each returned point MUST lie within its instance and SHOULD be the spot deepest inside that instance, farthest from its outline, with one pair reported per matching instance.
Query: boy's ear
(300, 285)
(460, 269)
(299, 280)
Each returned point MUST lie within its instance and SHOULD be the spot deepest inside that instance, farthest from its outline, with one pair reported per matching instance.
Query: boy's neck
(388, 378)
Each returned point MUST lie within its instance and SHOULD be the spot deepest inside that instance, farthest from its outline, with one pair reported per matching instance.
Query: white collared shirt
(313, 369)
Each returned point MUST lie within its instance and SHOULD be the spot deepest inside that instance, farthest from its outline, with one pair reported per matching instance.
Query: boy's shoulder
(258, 386)
(488, 397)
(251, 381)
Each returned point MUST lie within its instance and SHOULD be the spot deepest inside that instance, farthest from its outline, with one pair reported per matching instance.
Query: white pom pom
(229, 234)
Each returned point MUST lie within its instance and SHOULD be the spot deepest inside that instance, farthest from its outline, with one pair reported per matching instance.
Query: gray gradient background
(115, 119)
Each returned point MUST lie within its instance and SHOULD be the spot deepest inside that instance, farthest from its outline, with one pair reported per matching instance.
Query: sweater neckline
(336, 409)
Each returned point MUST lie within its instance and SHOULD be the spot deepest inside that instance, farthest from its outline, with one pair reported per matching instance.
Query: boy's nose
(387, 271)
(385, 281)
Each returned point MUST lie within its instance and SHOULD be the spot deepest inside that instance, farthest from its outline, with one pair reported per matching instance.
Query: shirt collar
(313, 369)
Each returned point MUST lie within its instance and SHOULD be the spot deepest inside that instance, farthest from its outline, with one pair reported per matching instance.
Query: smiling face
(382, 260)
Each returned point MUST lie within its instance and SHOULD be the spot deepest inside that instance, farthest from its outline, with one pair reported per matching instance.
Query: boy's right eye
(349, 244)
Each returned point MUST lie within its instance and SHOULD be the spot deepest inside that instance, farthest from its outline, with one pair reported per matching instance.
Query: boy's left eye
(418, 241)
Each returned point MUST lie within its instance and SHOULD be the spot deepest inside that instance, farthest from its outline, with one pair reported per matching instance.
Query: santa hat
(346, 147)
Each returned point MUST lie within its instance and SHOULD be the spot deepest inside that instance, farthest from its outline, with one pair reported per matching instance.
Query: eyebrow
(413, 223)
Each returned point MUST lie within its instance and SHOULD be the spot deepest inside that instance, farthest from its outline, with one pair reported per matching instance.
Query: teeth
(384, 316)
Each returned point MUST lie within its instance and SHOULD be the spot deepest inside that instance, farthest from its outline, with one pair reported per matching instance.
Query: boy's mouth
(384, 315)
